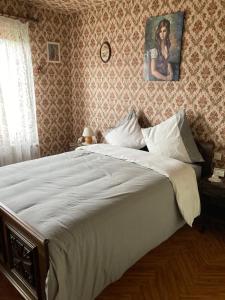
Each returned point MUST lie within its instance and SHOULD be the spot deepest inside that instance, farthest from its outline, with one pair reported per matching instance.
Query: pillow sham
(127, 133)
(173, 138)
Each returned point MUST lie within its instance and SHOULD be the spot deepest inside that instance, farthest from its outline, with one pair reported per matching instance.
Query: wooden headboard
(207, 152)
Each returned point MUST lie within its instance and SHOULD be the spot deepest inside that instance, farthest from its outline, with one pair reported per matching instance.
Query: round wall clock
(105, 52)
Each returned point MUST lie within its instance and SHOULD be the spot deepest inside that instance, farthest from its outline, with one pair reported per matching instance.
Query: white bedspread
(100, 213)
(181, 175)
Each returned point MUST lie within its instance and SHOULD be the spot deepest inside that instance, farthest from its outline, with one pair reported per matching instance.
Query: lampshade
(88, 132)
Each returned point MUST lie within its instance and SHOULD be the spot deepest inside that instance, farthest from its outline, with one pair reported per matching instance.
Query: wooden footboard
(23, 255)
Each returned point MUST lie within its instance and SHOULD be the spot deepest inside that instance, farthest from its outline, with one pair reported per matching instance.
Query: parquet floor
(190, 265)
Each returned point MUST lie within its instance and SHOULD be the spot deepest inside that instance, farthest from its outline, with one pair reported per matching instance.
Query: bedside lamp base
(88, 139)
(215, 179)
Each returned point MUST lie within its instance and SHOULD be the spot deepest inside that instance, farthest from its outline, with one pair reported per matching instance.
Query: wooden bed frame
(24, 258)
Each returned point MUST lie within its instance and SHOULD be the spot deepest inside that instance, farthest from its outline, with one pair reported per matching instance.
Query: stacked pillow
(171, 138)
(127, 133)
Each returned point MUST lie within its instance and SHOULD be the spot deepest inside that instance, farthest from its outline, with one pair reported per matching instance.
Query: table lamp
(87, 134)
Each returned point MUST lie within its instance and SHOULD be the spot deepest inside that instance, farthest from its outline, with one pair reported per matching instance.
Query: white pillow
(127, 133)
(173, 138)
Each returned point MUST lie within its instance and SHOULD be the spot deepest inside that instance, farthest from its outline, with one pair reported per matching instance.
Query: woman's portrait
(163, 37)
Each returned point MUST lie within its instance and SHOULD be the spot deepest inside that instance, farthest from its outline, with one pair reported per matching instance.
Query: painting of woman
(162, 48)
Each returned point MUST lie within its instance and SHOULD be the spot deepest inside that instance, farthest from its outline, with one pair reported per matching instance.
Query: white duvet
(100, 213)
(181, 175)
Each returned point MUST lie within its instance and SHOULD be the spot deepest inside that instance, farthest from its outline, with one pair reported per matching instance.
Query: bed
(73, 223)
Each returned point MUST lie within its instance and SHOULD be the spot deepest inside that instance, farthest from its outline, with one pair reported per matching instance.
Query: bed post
(23, 255)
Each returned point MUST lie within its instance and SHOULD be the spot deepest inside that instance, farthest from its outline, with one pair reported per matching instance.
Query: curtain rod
(25, 19)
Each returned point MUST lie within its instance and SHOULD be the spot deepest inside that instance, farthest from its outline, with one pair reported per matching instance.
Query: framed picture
(105, 52)
(53, 52)
(163, 36)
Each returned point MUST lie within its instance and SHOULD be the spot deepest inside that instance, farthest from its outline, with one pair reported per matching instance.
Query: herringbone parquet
(190, 265)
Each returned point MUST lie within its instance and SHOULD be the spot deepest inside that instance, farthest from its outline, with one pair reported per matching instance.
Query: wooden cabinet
(212, 196)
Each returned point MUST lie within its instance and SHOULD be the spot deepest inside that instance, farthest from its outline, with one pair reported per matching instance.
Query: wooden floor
(190, 265)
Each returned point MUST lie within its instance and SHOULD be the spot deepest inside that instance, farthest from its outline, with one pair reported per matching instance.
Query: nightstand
(73, 146)
(212, 197)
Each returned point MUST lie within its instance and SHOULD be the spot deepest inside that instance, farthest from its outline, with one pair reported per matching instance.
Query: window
(18, 126)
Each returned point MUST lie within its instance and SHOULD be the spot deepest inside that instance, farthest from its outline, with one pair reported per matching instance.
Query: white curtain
(18, 125)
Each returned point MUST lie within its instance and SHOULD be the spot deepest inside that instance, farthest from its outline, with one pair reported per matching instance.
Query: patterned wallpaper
(53, 84)
(99, 94)
(103, 93)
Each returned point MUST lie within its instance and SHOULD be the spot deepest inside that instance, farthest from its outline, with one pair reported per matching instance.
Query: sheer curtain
(18, 126)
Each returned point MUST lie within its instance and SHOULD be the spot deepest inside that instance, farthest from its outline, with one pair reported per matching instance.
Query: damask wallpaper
(82, 90)
(103, 93)
(53, 83)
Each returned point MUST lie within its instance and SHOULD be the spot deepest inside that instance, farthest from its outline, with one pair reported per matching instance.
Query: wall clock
(105, 52)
